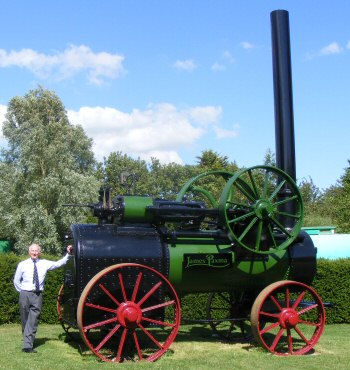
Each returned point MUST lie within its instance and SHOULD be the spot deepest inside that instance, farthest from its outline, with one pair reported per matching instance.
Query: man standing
(29, 282)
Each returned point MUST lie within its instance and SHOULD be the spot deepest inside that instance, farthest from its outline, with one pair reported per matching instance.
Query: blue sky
(172, 78)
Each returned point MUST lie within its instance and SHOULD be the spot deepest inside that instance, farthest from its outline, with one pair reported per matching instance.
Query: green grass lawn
(194, 348)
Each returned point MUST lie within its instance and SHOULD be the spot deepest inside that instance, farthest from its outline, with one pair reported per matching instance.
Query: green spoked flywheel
(262, 209)
(204, 187)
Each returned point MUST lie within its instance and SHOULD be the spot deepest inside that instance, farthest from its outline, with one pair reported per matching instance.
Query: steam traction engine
(121, 288)
(244, 246)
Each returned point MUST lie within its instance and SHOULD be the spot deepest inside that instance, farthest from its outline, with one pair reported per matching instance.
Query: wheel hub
(289, 318)
(264, 208)
(129, 314)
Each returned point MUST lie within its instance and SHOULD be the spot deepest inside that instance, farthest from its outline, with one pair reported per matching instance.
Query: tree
(212, 160)
(48, 162)
(135, 170)
(335, 203)
(312, 197)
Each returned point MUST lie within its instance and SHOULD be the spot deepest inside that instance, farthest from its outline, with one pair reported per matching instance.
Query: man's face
(34, 252)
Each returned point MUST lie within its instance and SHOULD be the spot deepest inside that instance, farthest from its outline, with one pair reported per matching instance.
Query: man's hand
(70, 249)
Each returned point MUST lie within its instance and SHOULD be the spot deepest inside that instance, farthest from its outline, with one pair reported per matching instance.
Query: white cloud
(247, 45)
(333, 48)
(159, 131)
(348, 45)
(187, 65)
(73, 60)
(218, 67)
(222, 133)
(228, 56)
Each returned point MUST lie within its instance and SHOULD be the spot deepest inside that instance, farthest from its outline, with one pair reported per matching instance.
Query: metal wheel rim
(59, 308)
(128, 316)
(190, 186)
(286, 326)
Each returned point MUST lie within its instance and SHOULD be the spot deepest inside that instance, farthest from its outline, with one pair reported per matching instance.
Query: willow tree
(47, 163)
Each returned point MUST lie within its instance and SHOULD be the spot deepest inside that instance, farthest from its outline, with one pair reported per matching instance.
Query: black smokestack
(283, 95)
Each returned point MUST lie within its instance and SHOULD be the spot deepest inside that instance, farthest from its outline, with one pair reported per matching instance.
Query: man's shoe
(28, 350)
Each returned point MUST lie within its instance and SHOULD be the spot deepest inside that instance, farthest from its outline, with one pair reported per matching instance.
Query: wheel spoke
(280, 226)
(109, 294)
(266, 184)
(98, 307)
(122, 286)
(270, 327)
(287, 297)
(245, 189)
(290, 215)
(269, 314)
(121, 344)
(150, 292)
(298, 300)
(137, 344)
(239, 204)
(107, 337)
(258, 235)
(272, 236)
(256, 191)
(274, 300)
(306, 309)
(158, 322)
(283, 201)
(248, 228)
(101, 323)
(249, 214)
(155, 307)
(276, 191)
(302, 336)
(310, 323)
(150, 336)
(277, 339)
(136, 287)
(290, 341)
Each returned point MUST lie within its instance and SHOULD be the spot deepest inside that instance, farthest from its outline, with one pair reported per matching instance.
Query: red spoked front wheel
(288, 318)
(128, 312)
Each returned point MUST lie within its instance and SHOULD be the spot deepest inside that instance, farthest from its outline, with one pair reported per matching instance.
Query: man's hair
(35, 245)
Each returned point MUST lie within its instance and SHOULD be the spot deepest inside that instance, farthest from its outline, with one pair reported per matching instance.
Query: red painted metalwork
(288, 318)
(126, 326)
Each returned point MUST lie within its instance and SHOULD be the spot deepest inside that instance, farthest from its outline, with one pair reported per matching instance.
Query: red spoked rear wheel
(128, 312)
(288, 318)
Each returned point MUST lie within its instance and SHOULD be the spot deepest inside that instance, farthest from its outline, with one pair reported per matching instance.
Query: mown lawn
(194, 348)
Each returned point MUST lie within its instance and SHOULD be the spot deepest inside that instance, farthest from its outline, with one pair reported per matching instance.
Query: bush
(332, 283)
(9, 310)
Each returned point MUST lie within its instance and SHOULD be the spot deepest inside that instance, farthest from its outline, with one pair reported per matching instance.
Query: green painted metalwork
(262, 209)
(135, 208)
(192, 187)
(248, 274)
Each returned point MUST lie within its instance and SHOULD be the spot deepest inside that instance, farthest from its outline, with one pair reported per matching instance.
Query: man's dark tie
(36, 277)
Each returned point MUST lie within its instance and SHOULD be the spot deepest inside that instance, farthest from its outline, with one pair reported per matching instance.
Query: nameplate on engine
(211, 260)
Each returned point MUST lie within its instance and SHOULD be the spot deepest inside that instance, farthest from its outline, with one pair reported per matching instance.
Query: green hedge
(9, 310)
(332, 283)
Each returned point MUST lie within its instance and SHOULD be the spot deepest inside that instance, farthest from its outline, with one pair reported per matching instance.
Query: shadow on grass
(186, 333)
